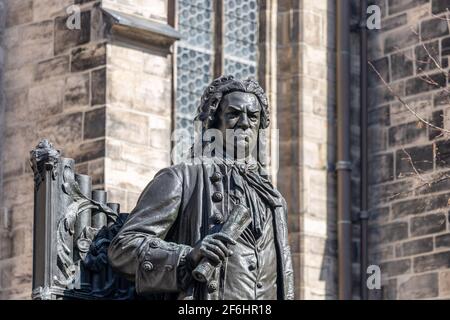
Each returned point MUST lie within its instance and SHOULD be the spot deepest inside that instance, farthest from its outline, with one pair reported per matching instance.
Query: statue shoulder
(181, 170)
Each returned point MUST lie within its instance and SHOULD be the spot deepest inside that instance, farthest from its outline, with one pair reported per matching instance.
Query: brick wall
(410, 232)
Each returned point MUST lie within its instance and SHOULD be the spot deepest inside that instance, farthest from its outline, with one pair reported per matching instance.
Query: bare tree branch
(411, 162)
(401, 100)
(426, 77)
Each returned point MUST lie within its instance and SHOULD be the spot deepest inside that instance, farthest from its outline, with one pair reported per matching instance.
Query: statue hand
(213, 247)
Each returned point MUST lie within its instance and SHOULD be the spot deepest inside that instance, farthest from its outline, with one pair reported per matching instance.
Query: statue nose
(243, 122)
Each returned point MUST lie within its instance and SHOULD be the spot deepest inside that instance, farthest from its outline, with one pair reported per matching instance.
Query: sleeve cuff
(160, 267)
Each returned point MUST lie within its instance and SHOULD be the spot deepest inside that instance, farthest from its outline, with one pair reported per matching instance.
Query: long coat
(173, 213)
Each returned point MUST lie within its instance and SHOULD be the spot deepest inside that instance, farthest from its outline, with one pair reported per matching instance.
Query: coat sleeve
(139, 252)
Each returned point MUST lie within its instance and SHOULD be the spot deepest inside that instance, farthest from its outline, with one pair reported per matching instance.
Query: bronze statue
(213, 227)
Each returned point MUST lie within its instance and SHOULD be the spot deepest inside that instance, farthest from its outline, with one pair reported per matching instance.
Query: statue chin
(240, 150)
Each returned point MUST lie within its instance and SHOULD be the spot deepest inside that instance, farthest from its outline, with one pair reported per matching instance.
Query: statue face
(239, 120)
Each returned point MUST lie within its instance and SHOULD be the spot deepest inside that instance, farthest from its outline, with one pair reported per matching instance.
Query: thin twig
(425, 184)
(414, 167)
(399, 98)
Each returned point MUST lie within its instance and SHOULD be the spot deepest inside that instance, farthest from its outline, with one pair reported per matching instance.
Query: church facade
(109, 82)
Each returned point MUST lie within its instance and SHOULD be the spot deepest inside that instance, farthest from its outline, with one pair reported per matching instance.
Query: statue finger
(217, 250)
(210, 255)
(222, 246)
(224, 237)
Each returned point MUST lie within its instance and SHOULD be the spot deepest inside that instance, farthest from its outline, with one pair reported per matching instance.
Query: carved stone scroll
(70, 243)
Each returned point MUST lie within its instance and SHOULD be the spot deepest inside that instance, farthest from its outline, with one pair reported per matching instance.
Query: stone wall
(2, 103)
(48, 73)
(92, 96)
(355, 143)
(137, 115)
(138, 119)
(105, 101)
(305, 115)
(150, 9)
(410, 232)
(108, 103)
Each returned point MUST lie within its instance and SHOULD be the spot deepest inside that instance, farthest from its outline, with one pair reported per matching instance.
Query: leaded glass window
(240, 37)
(194, 57)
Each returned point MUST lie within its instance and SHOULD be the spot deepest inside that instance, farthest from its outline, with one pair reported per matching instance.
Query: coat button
(259, 285)
(168, 267)
(252, 266)
(218, 218)
(148, 266)
(217, 196)
(154, 243)
(212, 286)
(216, 177)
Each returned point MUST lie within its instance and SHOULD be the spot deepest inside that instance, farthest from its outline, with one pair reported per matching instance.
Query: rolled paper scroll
(237, 221)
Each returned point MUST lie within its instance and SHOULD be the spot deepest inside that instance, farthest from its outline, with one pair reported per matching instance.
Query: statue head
(238, 109)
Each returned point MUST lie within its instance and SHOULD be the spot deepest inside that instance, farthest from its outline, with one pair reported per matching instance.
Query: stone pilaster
(2, 100)
(305, 115)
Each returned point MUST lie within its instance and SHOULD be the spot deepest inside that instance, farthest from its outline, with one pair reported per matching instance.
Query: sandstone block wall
(106, 103)
(409, 159)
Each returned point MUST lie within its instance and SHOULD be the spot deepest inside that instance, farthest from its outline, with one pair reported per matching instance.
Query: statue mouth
(244, 137)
